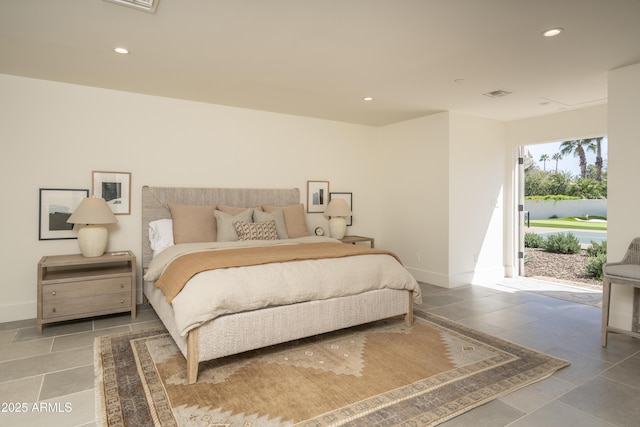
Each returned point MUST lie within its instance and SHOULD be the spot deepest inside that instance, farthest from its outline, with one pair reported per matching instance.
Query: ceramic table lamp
(337, 210)
(94, 213)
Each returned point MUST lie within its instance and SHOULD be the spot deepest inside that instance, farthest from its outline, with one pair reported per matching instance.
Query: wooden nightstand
(355, 239)
(74, 287)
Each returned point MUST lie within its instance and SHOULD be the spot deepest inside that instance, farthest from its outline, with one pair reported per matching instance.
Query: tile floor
(600, 388)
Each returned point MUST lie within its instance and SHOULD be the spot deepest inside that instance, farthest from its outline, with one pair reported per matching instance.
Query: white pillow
(160, 235)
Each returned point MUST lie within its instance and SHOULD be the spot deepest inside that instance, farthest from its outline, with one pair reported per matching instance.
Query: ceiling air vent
(146, 5)
(497, 93)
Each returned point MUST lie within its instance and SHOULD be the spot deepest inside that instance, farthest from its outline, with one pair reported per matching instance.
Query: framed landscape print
(317, 196)
(56, 206)
(115, 189)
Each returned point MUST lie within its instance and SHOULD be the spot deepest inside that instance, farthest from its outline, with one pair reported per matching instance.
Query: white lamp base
(92, 240)
(337, 227)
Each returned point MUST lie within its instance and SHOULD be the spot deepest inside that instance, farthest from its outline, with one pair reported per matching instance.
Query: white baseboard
(478, 277)
(429, 277)
(14, 312)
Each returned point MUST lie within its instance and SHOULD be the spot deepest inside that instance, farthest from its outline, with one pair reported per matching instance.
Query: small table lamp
(337, 210)
(93, 236)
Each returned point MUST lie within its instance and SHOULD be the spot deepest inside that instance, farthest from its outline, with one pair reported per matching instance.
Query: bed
(222, 309)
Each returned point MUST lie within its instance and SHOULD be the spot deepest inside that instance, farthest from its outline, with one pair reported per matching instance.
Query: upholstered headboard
(156, 200)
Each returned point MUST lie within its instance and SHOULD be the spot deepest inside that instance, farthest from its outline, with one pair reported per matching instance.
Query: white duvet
(224, 291)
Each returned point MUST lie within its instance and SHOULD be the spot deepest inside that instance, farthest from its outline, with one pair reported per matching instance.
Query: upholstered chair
(627, 273)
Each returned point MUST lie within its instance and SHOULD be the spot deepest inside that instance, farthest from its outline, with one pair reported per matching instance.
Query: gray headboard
(156, 200)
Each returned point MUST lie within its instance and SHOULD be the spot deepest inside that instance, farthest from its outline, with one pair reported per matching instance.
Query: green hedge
(555, 197)
(562, 243)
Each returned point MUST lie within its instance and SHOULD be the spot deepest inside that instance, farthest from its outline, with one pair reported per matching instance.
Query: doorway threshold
(555, 290)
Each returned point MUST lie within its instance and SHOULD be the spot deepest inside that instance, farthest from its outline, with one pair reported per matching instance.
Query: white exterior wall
(545, 209)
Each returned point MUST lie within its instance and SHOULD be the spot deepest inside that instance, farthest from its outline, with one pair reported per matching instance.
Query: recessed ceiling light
(552, 32)
(121, 50)
(367, 98)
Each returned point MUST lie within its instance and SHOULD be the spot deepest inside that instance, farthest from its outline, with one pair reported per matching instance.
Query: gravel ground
(559, 268)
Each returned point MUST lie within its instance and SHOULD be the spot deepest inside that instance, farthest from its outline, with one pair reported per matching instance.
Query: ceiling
(319, 58)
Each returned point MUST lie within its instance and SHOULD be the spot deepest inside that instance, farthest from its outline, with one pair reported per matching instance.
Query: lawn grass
(569, 222)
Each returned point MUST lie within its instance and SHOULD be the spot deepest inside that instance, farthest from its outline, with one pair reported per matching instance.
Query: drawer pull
(54, 309)
(53, 293)
(121, 301)
(121, 285)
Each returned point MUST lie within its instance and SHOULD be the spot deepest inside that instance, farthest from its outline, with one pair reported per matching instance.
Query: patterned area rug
(383, 373)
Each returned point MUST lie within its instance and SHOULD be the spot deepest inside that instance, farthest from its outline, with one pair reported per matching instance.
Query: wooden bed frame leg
(192, 356)
(408, 318)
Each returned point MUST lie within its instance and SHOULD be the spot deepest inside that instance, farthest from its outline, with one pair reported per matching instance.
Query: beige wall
(442, 212)
(412, 182)
(414, 190)
(476, 180)
(54, 135)
(562, 126)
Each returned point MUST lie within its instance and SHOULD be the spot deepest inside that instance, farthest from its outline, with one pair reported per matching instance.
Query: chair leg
(606, 296)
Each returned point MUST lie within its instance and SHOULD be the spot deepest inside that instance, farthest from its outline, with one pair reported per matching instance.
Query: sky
(569, 162)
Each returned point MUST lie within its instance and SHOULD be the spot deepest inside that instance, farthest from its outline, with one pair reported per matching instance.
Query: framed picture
(115, 189)
(348, 197)
(317, 196)
(56, 206)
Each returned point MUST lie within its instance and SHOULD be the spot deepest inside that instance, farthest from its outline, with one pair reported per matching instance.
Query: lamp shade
(92, 210)
(337, 207)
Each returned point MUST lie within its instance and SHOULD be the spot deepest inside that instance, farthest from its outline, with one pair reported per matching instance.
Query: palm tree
(528, 162)
(544, 159)
(577, 148)
(557, 157)
(599, 162)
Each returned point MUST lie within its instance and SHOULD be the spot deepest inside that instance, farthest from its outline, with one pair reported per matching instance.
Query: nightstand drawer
(73, 287)
(84, 288)
(64, 307)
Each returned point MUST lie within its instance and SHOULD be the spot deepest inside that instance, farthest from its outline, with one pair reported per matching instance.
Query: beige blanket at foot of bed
(183, 268)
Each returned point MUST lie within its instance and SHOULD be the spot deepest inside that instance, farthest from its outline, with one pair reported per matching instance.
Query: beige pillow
(193, 223)
(226, 231)
(265, 230)
(234, 210)
(275, 215)
(294, 219)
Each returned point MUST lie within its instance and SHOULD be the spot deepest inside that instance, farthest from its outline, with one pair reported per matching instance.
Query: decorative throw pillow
(193, 223)
(226, 230)
(294, 219)
(275, 215)
(265, 230)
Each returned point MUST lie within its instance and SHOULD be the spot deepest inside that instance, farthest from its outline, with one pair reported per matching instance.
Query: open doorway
(563, 211)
